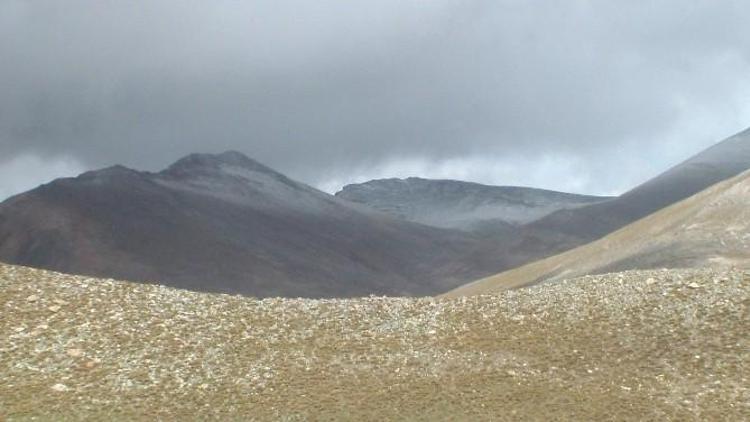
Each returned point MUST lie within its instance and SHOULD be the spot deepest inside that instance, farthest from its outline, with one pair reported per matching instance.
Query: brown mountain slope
(710, 229)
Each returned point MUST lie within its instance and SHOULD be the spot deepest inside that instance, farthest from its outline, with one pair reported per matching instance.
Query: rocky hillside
(656, 345)
(710, 229)
(460, 205)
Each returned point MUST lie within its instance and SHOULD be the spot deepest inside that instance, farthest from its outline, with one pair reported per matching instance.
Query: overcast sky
(583, 96)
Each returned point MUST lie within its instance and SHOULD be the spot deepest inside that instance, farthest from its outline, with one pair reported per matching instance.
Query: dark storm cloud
(548, 93)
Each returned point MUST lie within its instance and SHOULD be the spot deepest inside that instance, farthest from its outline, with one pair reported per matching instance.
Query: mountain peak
(234, 177)
(234, 157)
(210, 163)
(110, 173)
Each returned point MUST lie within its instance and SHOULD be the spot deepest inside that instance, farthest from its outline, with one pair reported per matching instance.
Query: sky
(581, 96)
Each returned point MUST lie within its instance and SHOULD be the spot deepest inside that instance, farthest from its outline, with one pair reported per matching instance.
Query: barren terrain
(653, 345)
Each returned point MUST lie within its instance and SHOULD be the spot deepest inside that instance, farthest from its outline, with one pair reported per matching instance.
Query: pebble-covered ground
(654, 345)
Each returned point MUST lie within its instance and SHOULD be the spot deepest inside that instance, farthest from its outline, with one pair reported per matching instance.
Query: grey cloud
(556, 94)
(25, 172)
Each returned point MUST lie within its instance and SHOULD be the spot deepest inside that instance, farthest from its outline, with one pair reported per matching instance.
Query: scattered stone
(32, 298)
(60, 388)
(54, 308)
(74, 353)
(694, 285)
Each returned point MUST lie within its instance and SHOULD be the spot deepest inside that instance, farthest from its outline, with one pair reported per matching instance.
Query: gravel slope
(655, 345)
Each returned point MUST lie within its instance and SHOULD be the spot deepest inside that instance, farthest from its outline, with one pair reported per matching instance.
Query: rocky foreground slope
(654, 345)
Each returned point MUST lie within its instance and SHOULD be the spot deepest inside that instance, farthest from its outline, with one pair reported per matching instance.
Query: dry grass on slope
(642, 345)
(710, 229)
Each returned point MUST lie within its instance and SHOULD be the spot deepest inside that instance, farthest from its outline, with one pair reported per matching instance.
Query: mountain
(708, 230)
(460, 205)
(226, 223)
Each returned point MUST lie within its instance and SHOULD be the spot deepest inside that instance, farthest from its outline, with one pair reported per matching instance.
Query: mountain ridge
(458, 204)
